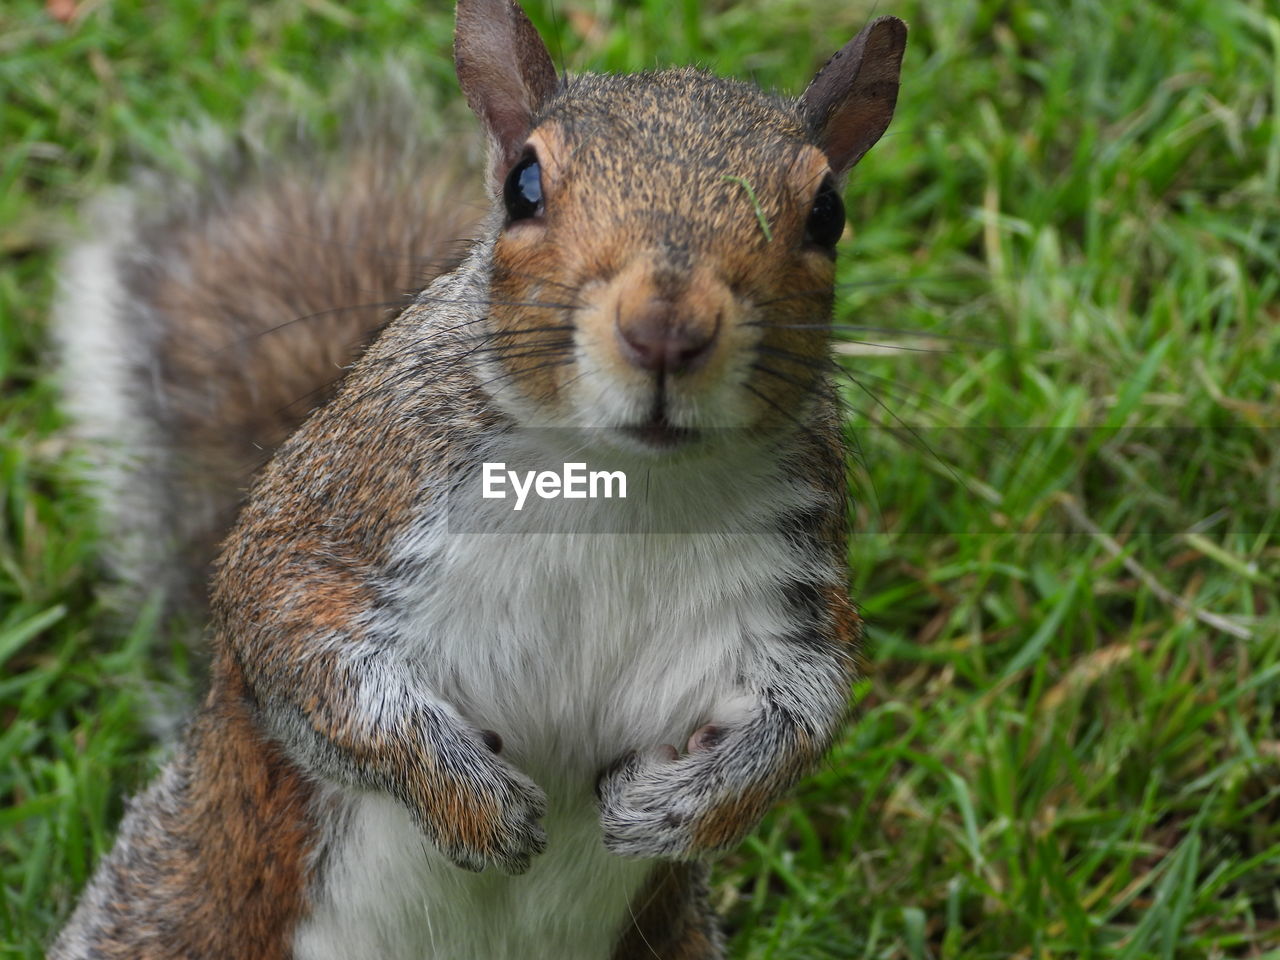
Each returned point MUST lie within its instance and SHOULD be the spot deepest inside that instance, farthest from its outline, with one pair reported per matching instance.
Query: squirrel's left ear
(850, 102)
(505, 73)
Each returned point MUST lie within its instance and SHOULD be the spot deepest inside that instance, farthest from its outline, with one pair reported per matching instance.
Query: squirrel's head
(664, 263)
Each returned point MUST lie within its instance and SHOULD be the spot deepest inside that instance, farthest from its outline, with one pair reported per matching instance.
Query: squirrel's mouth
(657, 431)
(660, 434)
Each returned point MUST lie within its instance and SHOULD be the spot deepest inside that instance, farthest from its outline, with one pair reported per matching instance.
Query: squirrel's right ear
(850, 102)
(505, 73)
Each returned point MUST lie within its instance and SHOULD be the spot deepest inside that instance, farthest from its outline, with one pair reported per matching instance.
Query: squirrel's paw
(488, 816)
(659, 804)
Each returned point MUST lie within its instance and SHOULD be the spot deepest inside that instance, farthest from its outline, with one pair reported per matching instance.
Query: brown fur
(671, 918)
(298, 568)
(723, 825)
(617, 234)
(211, 861)
(272, 294)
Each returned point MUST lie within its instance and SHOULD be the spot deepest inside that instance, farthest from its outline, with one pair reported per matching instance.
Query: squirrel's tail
(210, 312)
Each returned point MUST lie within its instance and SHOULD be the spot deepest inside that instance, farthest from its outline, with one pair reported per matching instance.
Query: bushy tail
(208, 313)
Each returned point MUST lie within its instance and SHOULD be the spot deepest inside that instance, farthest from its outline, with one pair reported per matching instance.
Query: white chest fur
(576, 648)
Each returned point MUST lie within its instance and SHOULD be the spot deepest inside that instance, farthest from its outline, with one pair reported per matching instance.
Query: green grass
(1074, 220)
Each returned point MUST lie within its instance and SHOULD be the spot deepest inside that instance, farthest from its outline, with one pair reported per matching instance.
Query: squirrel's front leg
(656, 803)
(353, 712)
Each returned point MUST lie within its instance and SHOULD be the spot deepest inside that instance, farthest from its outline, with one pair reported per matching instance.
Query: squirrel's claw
(651, 803)
(490, 818)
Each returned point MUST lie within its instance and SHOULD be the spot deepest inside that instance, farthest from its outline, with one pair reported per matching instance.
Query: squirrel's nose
(658, 338)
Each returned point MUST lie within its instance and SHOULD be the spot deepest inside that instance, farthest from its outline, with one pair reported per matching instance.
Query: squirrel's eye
(522, 193)
(826, 218)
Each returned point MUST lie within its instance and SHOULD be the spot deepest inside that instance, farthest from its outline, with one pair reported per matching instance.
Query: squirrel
(424, 735)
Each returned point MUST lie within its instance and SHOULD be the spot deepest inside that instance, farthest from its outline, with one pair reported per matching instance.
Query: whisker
(311, 393)
(905, 331)
(860, 457)
(806, 387)
(877, 345)
(241, 341)
(920, 400)
(489, 302)
(546, 349)
(387, 253)
(847, 285)
(863, 328)
(520, 331)
(538, 279)
(402, 303)
(905, 393)
(785, 413)
(834, 367)
(413, 374)
(510, 373)
(913, 432)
